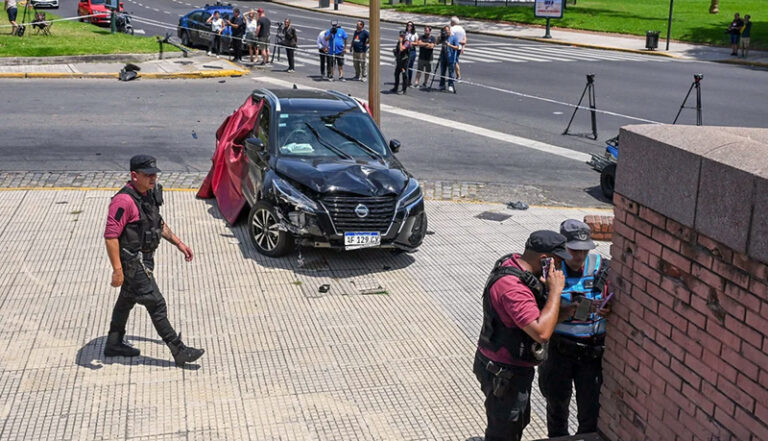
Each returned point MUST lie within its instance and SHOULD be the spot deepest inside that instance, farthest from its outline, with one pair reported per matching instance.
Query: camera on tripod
(280, 34)
(698, 77)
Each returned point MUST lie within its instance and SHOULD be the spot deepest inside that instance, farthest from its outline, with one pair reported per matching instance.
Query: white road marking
(475, 130)
(139, 31)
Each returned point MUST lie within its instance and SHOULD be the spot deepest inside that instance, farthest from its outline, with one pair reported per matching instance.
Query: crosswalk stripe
(561, 55)
(516, 56)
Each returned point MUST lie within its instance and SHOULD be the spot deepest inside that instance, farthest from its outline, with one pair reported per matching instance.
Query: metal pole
(374, 66)
(112, 24)
(547, 34)
(669, 22)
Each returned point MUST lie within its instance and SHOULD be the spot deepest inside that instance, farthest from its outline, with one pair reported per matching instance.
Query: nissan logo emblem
(361, 210)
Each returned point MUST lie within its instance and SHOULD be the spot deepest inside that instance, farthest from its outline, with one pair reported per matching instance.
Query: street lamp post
(669, 21)
(374, 61)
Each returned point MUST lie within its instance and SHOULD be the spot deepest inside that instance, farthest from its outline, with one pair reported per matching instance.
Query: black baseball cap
(549, 242)
(145, 164)
(578, 235)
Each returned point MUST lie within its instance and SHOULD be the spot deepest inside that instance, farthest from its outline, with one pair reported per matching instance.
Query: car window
(263, 126)
(195, 16)
(205, 16)
(298, 134)
(98, 2)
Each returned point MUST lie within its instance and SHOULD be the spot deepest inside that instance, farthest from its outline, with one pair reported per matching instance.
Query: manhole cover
(493, 216)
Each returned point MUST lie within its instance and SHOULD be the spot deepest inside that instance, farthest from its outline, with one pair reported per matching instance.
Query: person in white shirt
(461, 35)
(322, 48)
(413, 38)
(217, 26)
(12, 10)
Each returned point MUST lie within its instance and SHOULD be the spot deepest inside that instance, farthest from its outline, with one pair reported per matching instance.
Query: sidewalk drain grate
(493, 216)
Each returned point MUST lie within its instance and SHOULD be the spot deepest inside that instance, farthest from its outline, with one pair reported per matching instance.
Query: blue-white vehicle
(606, 165)
(194, 31)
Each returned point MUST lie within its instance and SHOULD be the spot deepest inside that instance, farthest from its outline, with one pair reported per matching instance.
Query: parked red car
(90, 7)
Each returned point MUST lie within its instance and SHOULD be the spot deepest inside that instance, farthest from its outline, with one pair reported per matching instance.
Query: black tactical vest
(143, 235)
(494, 335)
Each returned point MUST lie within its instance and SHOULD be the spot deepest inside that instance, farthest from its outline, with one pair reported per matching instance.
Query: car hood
(346, 176)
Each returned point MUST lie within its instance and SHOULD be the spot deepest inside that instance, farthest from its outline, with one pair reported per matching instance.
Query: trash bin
(652, 39)
(325, 3)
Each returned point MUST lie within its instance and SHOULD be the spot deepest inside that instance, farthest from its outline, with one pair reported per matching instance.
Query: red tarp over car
(229, 161)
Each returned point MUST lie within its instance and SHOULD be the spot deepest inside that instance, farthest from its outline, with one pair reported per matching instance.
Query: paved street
(283, 361)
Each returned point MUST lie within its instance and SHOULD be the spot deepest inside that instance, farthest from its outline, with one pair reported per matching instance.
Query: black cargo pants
(556, 376)
(509, 413)
(139, 286)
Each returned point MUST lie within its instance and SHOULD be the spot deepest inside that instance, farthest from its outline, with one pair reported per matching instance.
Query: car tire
(608, 180)
(185, 39)
(263, 231)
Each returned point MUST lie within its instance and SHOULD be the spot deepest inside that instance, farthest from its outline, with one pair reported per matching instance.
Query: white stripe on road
(475, 130)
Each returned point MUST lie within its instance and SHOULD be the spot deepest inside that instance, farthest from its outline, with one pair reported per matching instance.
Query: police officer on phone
(576, 348)
(133, 232)
(521, 304)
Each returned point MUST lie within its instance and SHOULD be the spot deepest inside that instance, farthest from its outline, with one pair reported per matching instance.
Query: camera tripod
(697, 84)
(437, 71)
(278, 44)
(588, 89)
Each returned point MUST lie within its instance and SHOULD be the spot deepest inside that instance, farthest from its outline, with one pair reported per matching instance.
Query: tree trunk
(714, 7)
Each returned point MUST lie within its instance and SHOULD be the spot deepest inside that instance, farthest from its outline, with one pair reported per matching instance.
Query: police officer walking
(576, 348)
(521, 303)
(133, 232)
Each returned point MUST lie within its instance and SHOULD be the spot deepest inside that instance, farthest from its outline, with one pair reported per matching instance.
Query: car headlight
(289, 194)
(411, 194)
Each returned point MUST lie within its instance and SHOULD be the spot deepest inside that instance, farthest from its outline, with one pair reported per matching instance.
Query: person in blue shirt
(360, 46)
(450, 48)
(576, 347)
(337, 47)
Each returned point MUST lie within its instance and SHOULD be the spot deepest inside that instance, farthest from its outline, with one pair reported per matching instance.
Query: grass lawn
(70, 38)
(691, 19)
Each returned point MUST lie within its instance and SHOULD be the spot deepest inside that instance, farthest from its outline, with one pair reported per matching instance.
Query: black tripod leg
(437, 69)
(593, 108)
(698, 105)
(682, 106)
(576, 109)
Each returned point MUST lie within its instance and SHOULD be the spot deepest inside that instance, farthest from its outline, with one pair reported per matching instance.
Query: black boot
(115, 346)
(183, 353)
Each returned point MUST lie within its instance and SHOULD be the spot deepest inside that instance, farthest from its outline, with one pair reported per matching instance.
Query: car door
(204, 30)
(194, 27)
(82, 7)
(259, 161)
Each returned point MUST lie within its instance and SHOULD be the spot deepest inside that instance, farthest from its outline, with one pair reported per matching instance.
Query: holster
(578, 350)
(501, 378)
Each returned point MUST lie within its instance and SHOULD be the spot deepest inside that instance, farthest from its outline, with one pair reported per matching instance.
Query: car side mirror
(394, 145)
(255, 144)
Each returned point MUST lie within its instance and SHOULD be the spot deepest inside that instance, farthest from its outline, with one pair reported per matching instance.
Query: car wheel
(185, 39)
(608, 180)
(263, 228)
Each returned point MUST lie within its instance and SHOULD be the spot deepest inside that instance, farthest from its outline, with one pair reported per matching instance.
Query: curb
(155, 75)
(537, 39)
(90, 58)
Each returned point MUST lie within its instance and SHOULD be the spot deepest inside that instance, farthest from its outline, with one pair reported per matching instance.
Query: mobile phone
(545, 263)
(583, 310)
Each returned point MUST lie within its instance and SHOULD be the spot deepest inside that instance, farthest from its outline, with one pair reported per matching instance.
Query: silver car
(45, 3)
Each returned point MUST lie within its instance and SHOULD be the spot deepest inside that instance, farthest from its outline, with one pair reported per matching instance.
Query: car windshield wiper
(326, 144)
(373, 153)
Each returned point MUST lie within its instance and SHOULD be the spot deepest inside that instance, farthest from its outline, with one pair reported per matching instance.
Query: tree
(714, 6)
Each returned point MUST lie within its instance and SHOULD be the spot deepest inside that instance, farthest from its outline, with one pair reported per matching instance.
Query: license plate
(354, 241)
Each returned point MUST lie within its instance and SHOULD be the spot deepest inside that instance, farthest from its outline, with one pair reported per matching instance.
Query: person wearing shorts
(262, 36)
(745, 35)
(12, 11)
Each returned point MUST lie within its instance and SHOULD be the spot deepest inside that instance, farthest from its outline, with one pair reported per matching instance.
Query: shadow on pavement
(597, 193)
(91, 356)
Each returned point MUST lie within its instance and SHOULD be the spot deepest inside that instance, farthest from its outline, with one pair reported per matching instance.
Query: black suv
(321, 174)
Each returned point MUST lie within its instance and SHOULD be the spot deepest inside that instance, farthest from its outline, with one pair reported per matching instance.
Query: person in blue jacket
(576, 347)
(337, 47)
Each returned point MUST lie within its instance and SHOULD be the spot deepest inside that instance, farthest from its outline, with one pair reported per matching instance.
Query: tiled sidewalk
(283, 360)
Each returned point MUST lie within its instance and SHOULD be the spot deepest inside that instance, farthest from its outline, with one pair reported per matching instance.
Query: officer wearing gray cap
(133, 232)
(576, 348)
(521, 303)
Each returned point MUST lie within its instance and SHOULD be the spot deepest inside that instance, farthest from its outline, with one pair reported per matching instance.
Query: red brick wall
(686, 351)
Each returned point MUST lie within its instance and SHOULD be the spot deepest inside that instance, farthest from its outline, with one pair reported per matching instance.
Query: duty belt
(138, 258)
(591, 350)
